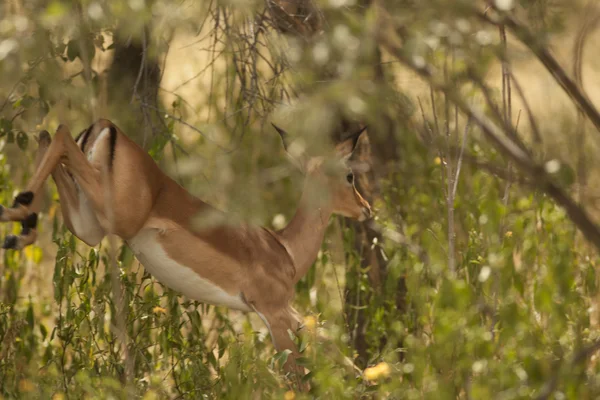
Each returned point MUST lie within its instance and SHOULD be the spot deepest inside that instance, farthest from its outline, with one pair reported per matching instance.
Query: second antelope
(109, 185)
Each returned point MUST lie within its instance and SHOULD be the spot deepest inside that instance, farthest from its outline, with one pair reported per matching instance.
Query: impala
(241, 266)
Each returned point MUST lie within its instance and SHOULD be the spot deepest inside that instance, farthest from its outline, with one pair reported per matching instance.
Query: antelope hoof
(23, 198)
(10, 242)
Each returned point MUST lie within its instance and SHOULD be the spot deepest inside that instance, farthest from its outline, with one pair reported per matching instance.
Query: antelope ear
(345, 149)
(285, 138)
(294, 150)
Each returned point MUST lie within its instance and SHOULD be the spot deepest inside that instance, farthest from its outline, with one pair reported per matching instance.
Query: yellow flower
(310, 322)
(159, 310)
(150, 395)
(508, 234)
(437, 161)
(384, 369)
(25, 385)
(380, 370)
(289, 395)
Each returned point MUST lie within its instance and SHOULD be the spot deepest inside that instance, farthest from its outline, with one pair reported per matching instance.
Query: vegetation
(475, 279)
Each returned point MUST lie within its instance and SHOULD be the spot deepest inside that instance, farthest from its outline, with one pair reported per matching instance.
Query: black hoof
(23, 198)
(29, 223)
(10, 242)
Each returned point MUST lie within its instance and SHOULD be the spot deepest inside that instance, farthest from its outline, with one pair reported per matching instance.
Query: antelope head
(332, 176)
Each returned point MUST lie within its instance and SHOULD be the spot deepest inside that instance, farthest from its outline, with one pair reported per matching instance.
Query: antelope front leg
(280, 324)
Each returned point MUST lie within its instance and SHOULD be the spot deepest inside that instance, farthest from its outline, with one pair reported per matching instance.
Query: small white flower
(321, 53)
(504, 5)
(552, 166)
(484, 38)
(95, 11)
(479, 366)
(21, 23)
(432, 41)
(6, 47)
(137, 5)
(484, 274)
(419, 61)
(408, 368)
(279, 221)
(356, 105)
(439, 28)
(521, 373)
(463, 25)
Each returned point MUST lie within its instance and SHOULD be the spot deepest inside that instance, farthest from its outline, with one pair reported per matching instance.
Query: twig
(449, 180)
(532, 122)
(460, 156)
(589, 25)
(183, 122)
(142, 66)
(499, 136)
(547, 59)
(578, 358)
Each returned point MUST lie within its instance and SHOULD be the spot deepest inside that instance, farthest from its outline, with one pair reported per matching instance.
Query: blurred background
(476, 277)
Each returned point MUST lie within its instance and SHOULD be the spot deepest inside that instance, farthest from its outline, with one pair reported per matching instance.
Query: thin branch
(501, 138)
(183, 122)
(142, 66)
(547, 59)
(576, 360)
(532, 122)
(460, 156)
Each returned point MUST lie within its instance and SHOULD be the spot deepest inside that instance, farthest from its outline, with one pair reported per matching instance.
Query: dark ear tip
(283, 134)
(278, 129)
(355, 136)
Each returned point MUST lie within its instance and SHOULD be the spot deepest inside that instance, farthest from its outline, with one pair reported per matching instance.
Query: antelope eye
(350, 177)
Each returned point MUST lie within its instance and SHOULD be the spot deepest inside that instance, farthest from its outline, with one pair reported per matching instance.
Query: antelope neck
(304, 234)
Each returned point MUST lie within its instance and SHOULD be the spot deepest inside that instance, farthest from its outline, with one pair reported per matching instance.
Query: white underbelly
(178, 277)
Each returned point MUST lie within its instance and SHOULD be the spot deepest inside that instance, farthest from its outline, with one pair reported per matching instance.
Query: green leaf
(222, 346)
(29, 317)
(211, 359)
(5, 126)
(566, 175)
(72, 50)
(282, 356)
(43, 331)
(22, 140)
(56, 9)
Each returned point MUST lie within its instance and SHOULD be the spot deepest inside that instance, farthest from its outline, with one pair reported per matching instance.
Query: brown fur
(259, 265)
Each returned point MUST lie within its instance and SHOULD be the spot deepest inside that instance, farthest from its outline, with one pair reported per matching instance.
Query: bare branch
(501, 138)
(547, 59)
(460, 156)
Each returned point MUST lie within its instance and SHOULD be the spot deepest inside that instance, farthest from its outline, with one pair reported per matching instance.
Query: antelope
(243, 267)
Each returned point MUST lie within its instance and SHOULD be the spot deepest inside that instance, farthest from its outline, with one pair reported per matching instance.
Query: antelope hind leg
(25, 207)
(50, 154)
